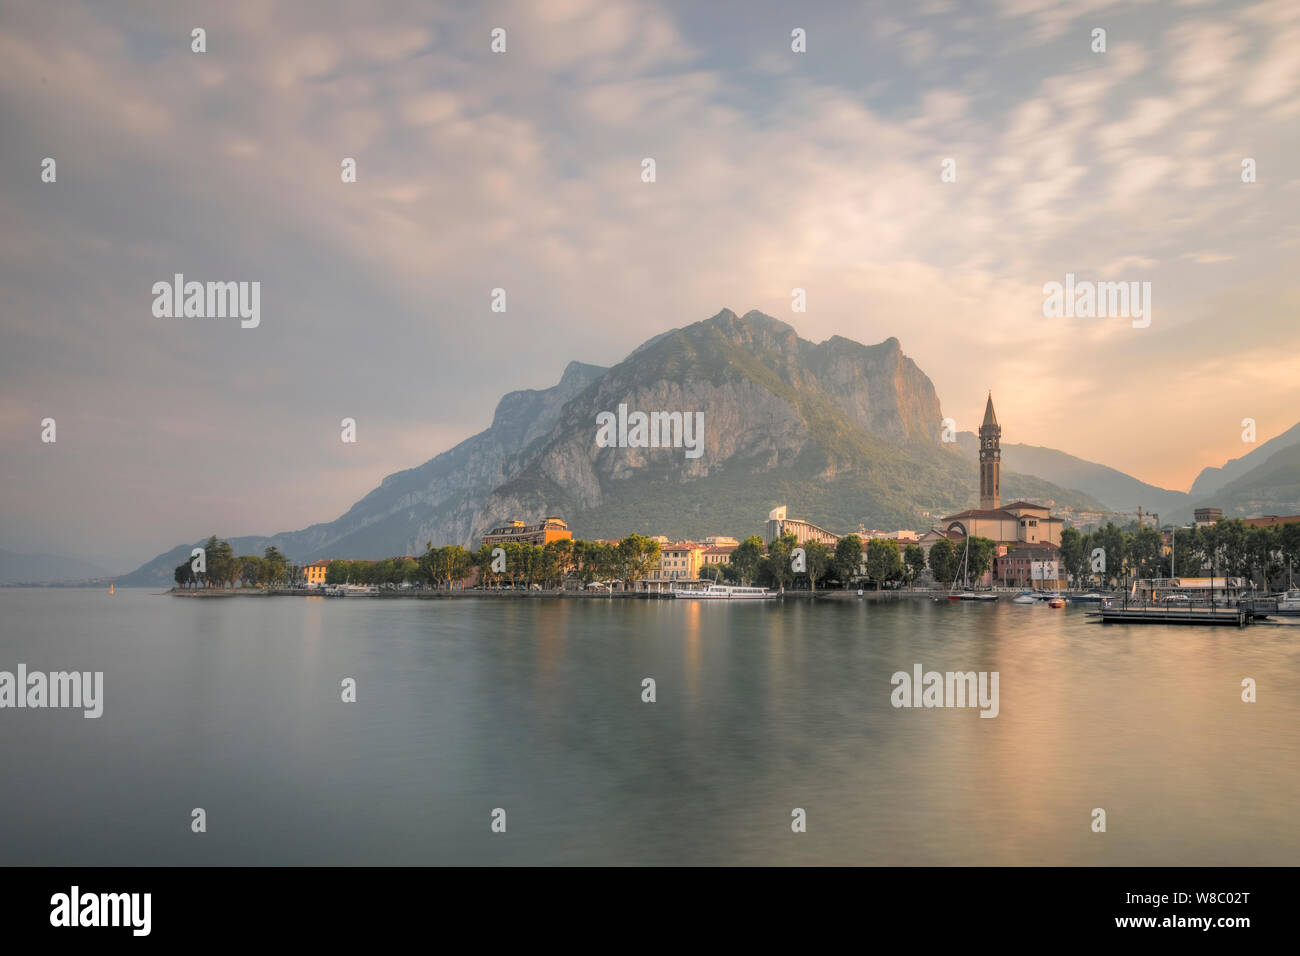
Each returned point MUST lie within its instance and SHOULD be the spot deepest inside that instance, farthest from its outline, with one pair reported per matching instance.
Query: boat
(1288, 604)
(724, 592)
(351, 590)
(1056, 602)
(976, 596)
(1092, 597)
(1025, 597)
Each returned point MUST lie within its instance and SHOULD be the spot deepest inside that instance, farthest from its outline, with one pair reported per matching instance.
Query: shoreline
(433, 594)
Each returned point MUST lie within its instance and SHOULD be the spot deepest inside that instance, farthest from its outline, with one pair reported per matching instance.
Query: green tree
(637, 556)
(1111, 540)
(1263, 554)
(458, 562)
(778, 562)
(944, 561)
(223, 566)
(847, 562)
(483, 560)
(183, 574)
(336, 572)
(914, 561)
(1144, 552)
(562, 558)
(818, 557)
(747, 557)
(1073, 557)
(608, 562)
(981, 555)
(275, 566)
(251, 570)
(1289, 549)
(884, 561)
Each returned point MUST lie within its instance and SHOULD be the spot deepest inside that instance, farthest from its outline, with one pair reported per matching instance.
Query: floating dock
(1221, 616)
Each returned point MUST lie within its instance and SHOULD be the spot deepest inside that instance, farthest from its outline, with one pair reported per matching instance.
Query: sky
(522, 170)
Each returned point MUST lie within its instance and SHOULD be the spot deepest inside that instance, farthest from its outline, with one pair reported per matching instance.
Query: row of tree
(517, 565)
(220, 567)
(577, 561)
(776, 564)
(1230, 548)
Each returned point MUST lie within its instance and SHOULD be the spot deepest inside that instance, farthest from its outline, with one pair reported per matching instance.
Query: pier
(1221, 616)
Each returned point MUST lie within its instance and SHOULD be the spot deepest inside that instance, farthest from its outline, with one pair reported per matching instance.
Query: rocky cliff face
(841, 432)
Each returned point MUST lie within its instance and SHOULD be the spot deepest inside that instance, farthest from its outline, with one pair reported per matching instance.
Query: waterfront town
(1017, 545)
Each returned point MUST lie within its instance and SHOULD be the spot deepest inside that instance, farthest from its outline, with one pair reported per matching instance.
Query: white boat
(1288, 605)
(1025, 597)
(1092, 597)
(724, 592)
(351, 590)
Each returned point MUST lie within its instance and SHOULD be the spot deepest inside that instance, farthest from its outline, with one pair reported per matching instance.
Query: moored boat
(1092, 597)
(1288, 604)
(723, 592)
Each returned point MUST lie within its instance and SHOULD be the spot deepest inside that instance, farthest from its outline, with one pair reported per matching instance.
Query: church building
(1017, 524)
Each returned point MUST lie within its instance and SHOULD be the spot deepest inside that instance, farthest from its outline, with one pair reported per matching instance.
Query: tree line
(576, 561)
(520, 565)
(224, 568)
(1229, 548)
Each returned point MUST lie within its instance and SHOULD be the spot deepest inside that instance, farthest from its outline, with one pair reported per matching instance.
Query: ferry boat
(351, 590)
(724, 592)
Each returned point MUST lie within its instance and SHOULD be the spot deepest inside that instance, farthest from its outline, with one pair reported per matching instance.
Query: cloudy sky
(477, 170)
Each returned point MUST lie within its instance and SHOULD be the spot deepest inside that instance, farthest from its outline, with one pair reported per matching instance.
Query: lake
(534, 707)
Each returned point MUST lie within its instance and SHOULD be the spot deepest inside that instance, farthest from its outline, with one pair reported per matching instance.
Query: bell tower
(990, 459)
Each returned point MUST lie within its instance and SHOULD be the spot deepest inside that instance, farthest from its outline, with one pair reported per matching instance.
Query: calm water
(535, 706)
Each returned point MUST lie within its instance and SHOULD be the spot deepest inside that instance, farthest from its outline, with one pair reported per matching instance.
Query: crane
(1139, 514)
(1155, 516)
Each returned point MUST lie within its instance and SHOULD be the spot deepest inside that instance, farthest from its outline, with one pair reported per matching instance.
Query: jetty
(1221, 616)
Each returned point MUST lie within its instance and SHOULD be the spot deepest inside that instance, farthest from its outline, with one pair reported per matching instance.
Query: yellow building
(314, 573)
(719, 553)
(550, 529)
(679, 564)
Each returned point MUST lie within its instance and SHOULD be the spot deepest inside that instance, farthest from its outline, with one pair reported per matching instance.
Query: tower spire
(990, 459)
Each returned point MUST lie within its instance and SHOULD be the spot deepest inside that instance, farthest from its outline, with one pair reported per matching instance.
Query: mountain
(390, 520)
(1116, 490)
(46, 569)
(841, 432)
(1212, 479)
(1272, 487)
